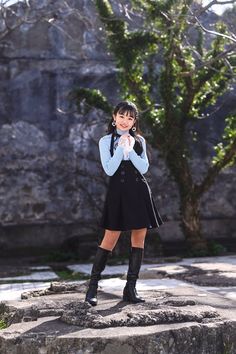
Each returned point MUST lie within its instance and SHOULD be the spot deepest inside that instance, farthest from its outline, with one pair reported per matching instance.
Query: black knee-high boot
(135, 260)
(98, 267)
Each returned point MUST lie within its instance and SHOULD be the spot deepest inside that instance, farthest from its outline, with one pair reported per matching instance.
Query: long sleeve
(109, 164)
(140, 162)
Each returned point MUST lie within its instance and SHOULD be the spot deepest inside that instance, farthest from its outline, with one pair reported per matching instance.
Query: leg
(110, 239)
(135, 260)
(138, 238)
(108, 243)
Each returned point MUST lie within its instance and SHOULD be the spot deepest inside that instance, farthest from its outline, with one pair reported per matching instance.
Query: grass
(70, 275)
(3, 324)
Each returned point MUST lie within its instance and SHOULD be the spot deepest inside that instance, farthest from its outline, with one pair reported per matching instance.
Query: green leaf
(90, 98)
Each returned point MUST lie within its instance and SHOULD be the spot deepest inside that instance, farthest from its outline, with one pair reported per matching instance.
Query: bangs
(127, 109)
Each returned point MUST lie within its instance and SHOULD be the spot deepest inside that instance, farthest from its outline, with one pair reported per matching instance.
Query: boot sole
(127, 299)
(91, 302)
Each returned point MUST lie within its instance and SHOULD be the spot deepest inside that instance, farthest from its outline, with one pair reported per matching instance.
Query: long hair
(122, 108)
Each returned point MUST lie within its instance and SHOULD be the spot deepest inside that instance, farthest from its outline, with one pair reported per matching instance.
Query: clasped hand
(127, 142)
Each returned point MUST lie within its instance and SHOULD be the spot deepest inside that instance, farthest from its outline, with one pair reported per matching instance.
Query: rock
(206, 277)
(55, 288)
(11, 314)
(204, 274)
(168, 322)
(134, 316)
(49, 151)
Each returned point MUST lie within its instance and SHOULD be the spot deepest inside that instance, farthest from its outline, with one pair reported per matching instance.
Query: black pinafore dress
(129, 203)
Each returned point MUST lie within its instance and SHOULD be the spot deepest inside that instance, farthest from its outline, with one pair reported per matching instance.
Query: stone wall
(51, 182)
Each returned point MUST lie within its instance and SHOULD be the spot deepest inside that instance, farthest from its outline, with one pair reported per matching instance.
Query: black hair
(121, 108)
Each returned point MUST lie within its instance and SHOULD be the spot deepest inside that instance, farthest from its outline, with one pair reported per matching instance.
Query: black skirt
(129, 204)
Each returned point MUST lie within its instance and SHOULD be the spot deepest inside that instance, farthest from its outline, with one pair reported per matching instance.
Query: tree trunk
(191, 224)
(189, 201)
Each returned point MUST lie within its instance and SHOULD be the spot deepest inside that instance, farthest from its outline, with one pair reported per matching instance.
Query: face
(124, 121)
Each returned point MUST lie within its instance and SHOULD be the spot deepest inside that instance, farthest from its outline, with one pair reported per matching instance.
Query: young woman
(129, 204)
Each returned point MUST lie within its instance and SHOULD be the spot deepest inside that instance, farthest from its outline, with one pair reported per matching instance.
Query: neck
(121, 132)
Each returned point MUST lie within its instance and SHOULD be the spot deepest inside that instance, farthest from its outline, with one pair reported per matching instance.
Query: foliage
(3, 324)
(213, 249)
(3, 315)
(228, 142)
(197, 69)
(91, 98)
(216, 249)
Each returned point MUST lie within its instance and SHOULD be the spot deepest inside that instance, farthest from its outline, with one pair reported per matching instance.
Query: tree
(192, 79)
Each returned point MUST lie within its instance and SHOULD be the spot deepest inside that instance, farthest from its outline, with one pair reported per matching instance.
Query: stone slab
(41, 276)
(37, 325)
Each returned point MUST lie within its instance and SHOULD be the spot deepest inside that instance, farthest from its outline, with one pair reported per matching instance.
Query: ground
(190, 308)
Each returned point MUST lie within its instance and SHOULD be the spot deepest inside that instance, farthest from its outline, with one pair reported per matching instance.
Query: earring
(134, 128)
(113, 123)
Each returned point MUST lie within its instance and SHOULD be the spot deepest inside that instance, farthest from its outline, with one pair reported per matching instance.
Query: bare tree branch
(212, 3)
(214, 170)
(208, 63)
(215, 33)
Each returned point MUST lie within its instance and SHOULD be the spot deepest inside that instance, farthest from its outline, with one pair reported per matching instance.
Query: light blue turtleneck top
(111, 163)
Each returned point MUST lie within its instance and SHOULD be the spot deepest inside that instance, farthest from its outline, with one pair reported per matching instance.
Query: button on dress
(129, 203)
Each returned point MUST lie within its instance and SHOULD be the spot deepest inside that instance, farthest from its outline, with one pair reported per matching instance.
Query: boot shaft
(135, 261)
(99, 265)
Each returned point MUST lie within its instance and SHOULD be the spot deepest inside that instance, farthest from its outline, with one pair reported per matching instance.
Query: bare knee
(110, 239)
